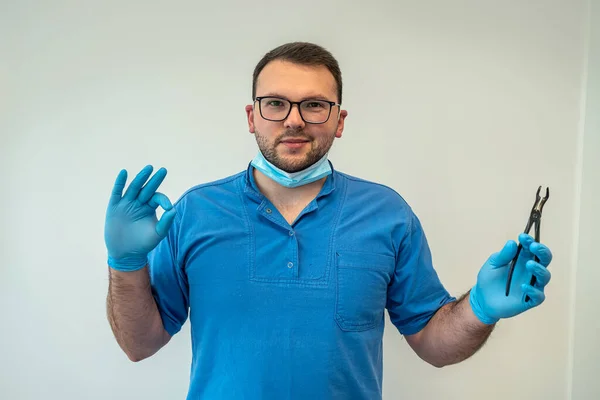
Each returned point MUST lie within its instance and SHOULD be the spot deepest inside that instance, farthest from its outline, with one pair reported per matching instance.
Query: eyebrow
(314, 96)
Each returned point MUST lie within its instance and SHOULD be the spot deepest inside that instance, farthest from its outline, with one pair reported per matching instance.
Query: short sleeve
(415, 292)
(168, 281)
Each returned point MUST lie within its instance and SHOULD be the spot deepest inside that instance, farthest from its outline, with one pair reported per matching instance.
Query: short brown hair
(302, 53)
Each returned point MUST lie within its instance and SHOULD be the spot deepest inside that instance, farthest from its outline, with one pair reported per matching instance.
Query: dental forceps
(535, 217)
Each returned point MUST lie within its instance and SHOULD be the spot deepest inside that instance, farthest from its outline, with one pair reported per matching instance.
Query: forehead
(295, 81)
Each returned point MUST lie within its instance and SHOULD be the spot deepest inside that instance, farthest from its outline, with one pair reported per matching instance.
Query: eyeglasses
(311, 111)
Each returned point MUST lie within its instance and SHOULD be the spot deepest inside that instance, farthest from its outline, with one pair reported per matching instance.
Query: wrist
(127, 264)
(476, 306)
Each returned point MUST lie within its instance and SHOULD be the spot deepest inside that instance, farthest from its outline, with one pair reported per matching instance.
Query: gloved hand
(131, 229)
(488, 297)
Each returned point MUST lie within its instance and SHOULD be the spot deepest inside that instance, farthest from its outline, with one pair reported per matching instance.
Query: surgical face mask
(313, 173)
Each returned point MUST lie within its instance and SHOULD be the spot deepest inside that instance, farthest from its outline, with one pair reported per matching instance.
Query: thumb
(159, 199)
(163, 226)
(504, 256)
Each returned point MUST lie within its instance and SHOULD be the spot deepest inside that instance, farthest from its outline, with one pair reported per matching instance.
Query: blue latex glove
(488, 297)
(131, 228)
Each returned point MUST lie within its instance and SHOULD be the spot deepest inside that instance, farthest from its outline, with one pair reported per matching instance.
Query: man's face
(292, 144)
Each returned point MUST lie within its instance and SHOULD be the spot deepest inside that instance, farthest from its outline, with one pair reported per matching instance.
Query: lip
(294, 143)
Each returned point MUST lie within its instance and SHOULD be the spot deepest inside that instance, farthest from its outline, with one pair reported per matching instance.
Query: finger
(536, 296)
(117, 190)
(150, 188)
(163, 226)
(526, 240)
(159, 199)
(134, 187)
(504, 256)
(542, 275)
(542, 252)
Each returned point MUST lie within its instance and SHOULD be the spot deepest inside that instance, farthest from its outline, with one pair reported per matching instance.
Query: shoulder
(377, 202)
(220, 189)
(360, 189)
(381, 206)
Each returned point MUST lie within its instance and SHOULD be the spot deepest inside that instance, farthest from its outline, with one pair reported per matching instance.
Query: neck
(286, 196)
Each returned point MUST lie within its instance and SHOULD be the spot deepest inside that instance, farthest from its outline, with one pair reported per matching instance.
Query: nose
(294, 120)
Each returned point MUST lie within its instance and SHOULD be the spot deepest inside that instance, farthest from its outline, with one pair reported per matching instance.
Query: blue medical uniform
(280, 311)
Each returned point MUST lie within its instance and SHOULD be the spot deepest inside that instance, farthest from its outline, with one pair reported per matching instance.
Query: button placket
(292, 262)
(268, 211)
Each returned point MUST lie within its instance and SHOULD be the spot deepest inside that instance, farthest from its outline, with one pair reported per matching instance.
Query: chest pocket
(361, 293)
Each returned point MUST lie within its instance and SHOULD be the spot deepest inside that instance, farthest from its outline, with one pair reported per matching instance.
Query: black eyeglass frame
(331, 105)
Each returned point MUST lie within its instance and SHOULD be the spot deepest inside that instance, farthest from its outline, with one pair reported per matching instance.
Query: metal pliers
(534, 218)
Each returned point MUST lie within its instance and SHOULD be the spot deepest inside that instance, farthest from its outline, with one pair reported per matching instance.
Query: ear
(340, 124)
(250, 117)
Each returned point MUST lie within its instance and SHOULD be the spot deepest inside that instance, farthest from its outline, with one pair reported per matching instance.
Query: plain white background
(585, 354)
(463, 107)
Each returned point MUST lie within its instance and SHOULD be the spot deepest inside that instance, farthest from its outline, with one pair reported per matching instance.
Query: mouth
(294, 143)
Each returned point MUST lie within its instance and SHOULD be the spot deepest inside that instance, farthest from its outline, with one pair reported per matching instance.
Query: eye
(315, 104)
(274, 103)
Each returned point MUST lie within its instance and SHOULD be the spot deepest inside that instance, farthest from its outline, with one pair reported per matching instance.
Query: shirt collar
(251, 189)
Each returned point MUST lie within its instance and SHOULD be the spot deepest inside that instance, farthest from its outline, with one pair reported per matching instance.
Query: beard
(318, 149)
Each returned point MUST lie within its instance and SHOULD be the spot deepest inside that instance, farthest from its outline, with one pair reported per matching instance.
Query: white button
(268, 210)
(290, 264)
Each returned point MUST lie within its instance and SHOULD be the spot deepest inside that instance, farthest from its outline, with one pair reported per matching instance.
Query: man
(286, 268)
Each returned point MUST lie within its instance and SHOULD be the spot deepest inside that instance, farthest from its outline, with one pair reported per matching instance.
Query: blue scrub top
(280, 311)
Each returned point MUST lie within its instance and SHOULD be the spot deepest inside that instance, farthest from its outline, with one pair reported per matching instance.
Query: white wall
(586, 346)
(464, 107)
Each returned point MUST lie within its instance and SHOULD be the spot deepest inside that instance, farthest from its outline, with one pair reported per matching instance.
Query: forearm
(133, 314)
(452, 335)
